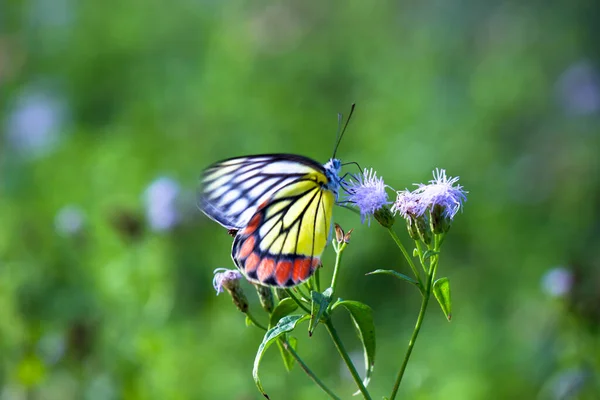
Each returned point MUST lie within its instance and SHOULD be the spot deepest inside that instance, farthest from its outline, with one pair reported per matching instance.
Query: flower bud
(424, 229)
(230, 281)
(348, 235)
(439, 222)
(265, 295)
(281, 293)
(385, 217)
(339, 233)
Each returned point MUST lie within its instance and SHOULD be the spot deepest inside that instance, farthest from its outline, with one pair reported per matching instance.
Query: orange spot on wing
(252, 225)
(283, 271)
(301, 269)
(247, 247)
(263, 204)
(266, 268)
(251, 262)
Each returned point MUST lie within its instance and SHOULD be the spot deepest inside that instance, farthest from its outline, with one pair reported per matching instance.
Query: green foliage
(441, 291)
(140, 90)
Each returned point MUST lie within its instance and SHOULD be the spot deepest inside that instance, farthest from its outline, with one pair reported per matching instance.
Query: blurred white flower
(161, 204)
(69, 220)
(35, 122)
(557, 282)
(578, 89)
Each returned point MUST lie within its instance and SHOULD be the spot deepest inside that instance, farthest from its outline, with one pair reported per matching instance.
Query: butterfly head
(332, 171)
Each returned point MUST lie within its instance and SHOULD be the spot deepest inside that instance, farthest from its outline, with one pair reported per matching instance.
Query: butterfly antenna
(341, 134)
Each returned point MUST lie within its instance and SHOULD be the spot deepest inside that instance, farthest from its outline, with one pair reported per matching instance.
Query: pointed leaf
(441, 290)
(429, 253)
(288, 359)
(249, 321)
(285, 307)
(362, 316)
(320, 302)
(396, 274)
(285, 324)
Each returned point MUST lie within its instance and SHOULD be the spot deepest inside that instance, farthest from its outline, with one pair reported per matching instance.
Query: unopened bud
(439, 222)
(384, 216)
(265, 295)
(348, 235)
(230, 281)
(339, 233)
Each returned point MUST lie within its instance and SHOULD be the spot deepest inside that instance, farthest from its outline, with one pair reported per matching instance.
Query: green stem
(255, 321)
(408, 258)
(318, 279)
(338, 259)
(293, 296)
(308, 371)
(340, 347)
(431, 275)
(421, 252)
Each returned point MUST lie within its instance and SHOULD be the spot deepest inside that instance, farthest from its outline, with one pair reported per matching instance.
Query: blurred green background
(111, 109)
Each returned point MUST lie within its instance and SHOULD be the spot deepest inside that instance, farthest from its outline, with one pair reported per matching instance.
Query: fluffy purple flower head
(409, 204)
(367, 192)
(441, 191)
(224, 277)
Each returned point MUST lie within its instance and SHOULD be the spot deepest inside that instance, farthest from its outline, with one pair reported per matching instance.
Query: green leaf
(320, 302)
(429, 253)
(441, 290)
(285, 324)
(362, 316)
(288, 359)
(249, 321)
(396, 274)
(285, 307)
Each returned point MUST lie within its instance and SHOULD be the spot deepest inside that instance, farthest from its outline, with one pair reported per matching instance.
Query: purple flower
(409, 204)
(367, 192)
(35, 122)
(224, 277)
(578, 89)
(161, 204)
(438, 192)
(557, 282)
(69, 220)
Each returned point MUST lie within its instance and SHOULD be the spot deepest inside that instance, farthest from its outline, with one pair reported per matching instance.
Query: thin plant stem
(255, 321)
(318, 279)
(293, 296)
(407, 256)
(305, 296)
(431, 275)
(421, 252)
(308, 371)
(340, 347)
(338, 258)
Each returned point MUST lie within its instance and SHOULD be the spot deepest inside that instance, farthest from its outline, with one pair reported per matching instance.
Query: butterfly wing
(283, 242)
(281, 209)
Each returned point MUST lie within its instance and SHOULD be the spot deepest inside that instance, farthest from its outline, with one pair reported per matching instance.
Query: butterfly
(279, 209)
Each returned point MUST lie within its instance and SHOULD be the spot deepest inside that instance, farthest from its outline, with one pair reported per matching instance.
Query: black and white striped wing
(233, 189)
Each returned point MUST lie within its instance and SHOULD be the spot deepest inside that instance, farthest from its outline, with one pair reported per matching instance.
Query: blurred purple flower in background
(35, 122)
(69, 220)
(578, 89)
(367, 192)
(161, 204)
(557, 282)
